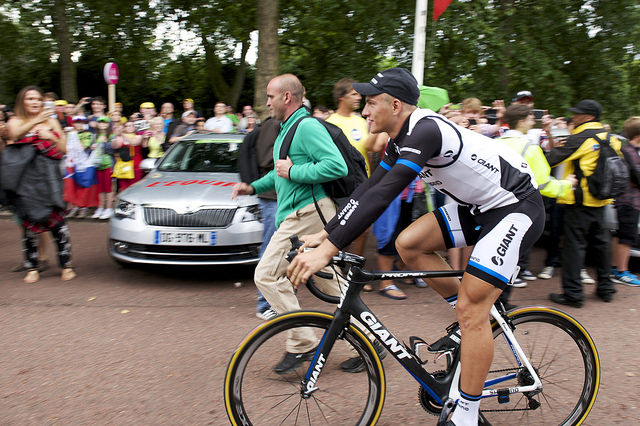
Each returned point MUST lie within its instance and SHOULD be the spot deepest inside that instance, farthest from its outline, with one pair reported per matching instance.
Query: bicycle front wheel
(564, 357)
(255, 394)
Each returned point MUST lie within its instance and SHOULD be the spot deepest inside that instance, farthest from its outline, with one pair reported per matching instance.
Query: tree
(268, 55)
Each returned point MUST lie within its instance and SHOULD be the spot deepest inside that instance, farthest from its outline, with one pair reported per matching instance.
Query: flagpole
(419, 40)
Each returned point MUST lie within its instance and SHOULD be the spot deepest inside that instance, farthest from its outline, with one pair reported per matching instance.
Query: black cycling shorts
(500, 236)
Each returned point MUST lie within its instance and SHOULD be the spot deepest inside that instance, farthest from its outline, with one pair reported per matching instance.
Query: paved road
(150, 345)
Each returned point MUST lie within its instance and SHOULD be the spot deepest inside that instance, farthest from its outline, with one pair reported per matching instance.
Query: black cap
(522, 95)
(397, 82)
(587, 106)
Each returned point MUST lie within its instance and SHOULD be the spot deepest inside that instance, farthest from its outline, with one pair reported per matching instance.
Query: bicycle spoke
(558, 357)
(334, 402)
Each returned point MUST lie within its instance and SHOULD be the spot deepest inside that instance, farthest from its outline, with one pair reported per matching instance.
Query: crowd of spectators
(102, 142)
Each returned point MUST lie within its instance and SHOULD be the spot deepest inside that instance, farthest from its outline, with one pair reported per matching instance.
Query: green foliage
(562, 50)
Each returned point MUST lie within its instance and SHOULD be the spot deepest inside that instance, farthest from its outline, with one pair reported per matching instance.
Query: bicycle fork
(320, 358)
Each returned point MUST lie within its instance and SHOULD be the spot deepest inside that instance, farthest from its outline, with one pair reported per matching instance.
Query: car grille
(209, 218)
(147, 253)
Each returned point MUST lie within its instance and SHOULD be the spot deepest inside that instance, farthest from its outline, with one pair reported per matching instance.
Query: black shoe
(290, 362)
(605, 297)
(356, 364)
(448, 343)
(561, 299)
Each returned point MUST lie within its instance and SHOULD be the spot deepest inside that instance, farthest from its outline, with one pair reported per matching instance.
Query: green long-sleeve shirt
(316, 159)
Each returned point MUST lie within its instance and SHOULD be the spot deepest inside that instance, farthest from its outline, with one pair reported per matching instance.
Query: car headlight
(249, 214)
(125, 209)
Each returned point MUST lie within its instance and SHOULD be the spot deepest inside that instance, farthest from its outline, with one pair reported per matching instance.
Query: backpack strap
(284, 150)
(288, 138)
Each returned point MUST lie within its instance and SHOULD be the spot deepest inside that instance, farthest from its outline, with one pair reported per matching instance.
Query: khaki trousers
(270, 274)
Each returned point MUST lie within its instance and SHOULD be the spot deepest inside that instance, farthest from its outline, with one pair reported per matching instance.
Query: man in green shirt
(313, 158)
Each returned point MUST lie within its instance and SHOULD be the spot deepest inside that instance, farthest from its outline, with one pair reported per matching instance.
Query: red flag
(439, 6)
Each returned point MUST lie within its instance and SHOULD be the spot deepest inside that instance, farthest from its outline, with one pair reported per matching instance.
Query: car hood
(188, 190)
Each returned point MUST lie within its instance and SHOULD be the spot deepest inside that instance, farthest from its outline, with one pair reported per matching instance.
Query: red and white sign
(111, 73)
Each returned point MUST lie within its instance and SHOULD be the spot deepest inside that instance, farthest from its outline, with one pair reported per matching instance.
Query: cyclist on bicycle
(498, 209)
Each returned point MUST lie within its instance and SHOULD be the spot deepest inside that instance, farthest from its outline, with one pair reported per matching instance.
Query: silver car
(182, 213)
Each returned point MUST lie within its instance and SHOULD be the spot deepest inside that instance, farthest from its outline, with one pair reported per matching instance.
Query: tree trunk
(268, 54)
(240, 74)
(214, 71)
(68, 83)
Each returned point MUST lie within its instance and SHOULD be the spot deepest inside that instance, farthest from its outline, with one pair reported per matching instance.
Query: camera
(472, 122)
(538, 113)
(141, 125)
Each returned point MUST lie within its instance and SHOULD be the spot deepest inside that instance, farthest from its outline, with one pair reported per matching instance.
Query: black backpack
(340, 188)
(610, 178)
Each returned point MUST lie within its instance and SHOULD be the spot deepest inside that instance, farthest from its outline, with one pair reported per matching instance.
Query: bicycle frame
(351, 305)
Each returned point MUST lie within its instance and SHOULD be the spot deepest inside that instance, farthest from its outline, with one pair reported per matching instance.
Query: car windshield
(203, 155)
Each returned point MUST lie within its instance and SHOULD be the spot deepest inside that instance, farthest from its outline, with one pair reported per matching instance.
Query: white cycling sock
(466, 411)
(452, 300)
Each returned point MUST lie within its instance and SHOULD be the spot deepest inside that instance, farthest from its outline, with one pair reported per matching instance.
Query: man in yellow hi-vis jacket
(520, 119)
(583, 214)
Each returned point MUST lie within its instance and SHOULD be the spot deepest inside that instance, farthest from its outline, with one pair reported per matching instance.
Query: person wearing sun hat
(496, 195)
(60, 108)
(148, 110)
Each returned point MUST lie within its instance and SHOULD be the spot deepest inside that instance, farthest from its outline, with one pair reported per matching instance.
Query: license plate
(175, 238)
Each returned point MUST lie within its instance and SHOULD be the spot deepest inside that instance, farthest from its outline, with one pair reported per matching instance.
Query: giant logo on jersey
(484, 163)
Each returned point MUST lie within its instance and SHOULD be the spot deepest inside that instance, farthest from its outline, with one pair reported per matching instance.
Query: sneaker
(83, 212)
(267, 314)
(527, 275)
(72, 212)
(356, 364)
(420, 283)
(627, 278)
(97, 213)
(585, 278)
(448, 343)
(518, 283)
(106, 214)
(290, 362)
(546, 273)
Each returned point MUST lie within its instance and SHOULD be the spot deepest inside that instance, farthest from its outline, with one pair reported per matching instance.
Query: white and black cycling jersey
(469, 167)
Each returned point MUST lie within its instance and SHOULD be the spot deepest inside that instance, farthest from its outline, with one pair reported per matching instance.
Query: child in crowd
(79, 151)
(128, 147)
(156, 139)
(104, 166)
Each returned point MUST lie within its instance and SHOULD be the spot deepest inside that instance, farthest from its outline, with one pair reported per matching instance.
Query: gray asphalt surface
(150, 345)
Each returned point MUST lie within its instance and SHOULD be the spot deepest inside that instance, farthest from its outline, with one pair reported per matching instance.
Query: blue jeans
(268, 208)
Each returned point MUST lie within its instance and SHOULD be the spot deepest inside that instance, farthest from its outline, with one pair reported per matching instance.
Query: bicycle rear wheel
(255, 394)
(564, 357)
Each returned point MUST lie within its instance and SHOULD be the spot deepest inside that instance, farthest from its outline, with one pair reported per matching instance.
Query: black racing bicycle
(545, 370)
